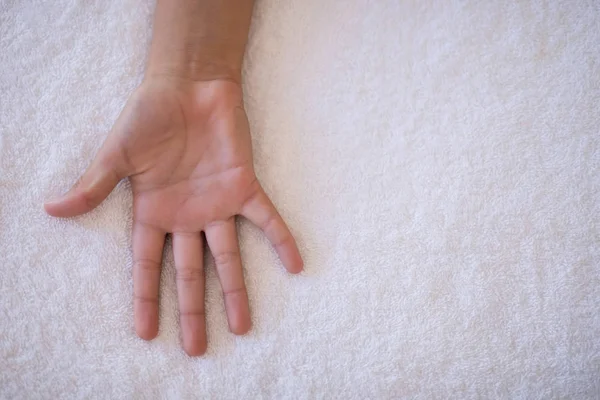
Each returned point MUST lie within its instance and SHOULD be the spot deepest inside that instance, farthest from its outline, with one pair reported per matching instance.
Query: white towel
(438, 162)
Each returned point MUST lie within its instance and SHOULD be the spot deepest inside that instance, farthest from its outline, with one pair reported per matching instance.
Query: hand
(186, 149)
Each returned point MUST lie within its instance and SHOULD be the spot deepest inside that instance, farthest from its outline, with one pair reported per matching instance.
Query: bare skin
(184, 143)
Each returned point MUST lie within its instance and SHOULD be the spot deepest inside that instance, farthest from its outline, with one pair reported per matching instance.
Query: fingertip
(146, 328)
(146, 320)
(48, 209)
(69, 205)
(196, 349)
(240, 331)
(291, 259)
(195, 344)
(52, 206)
(301, 265)
(240, 326)
(295, 270)
(146, 331)
(238, 312)
(193, 329)
(298, 264)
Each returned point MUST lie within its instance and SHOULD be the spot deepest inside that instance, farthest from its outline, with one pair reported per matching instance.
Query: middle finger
(187, 251)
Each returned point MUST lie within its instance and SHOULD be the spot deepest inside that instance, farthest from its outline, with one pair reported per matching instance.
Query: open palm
(186, 149)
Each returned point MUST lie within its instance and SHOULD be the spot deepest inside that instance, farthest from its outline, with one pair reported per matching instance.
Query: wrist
(199, 40)
(193, 69)
(205, 93)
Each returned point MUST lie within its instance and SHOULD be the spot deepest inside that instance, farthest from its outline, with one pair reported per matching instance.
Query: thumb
(95, 185)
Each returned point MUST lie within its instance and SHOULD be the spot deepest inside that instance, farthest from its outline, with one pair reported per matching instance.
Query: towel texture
(438, 162)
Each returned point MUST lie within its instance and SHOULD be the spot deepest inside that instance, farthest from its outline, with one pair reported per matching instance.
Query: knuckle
(150, 300)
(111, 169)
(270, 223)
(147, 265)
(188, 274)
(235, 291)
(227, 258)
(277, 231)
(192, 313)
(254, 190)
(215, 224)
(90, 198)
(283, 239)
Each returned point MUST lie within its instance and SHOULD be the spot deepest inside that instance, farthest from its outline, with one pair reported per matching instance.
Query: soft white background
(438, 161)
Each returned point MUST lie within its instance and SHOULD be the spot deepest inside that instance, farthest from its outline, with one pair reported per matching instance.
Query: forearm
(199, 39)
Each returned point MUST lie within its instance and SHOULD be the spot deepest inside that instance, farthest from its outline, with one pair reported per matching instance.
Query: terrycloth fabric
(438, 161)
